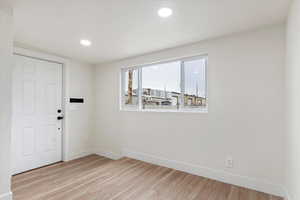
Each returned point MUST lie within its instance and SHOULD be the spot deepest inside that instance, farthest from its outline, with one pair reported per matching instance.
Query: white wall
(80, 117)
(6, 36)
(292, 102)
(245, 118)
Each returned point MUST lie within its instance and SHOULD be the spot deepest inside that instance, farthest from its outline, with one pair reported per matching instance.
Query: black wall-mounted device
(76, 100)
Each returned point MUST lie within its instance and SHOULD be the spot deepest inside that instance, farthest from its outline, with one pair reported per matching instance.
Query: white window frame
(182, 108)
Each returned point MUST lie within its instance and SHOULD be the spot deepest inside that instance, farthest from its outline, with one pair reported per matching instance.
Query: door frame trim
(65, 91)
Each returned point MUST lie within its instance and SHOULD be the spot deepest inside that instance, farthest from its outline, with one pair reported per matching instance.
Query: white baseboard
(109, 154)
(79, 155)
(7, 196)
(219, 175)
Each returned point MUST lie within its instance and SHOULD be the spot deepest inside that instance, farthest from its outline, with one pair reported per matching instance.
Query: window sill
(165, 111)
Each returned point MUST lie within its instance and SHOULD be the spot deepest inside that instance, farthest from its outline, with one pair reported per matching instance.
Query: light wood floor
(98, 178)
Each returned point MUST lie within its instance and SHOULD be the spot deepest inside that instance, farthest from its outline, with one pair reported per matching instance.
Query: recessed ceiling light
(165, 12)
(85, 43)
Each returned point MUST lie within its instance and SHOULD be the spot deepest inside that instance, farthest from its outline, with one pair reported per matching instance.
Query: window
(161, 86)
(179, 85)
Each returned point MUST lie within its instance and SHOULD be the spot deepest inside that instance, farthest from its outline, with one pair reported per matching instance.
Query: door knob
(60, 118)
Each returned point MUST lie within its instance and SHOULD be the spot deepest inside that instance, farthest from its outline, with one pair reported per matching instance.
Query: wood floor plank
(234, 193)
(222, 191)
(56, 180)
(113, 186)
(98, 178)
(56, 175)
(50, 169)
(148, 180)
(205, 191)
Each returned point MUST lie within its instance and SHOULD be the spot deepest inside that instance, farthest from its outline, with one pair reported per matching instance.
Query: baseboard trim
(79, 155)
(219, 175)
(7, 196)
(109, 154)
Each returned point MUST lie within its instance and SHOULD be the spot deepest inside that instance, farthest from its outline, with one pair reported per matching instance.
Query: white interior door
(37, 99)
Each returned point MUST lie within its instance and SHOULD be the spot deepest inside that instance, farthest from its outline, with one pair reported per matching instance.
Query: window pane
(195, 84)
(161, 86)
(131, 88)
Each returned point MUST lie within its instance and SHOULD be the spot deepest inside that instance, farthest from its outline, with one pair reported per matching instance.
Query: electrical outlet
(229, 162)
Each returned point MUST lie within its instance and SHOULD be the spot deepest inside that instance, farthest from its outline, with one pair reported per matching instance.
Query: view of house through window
(161, 86)
(178, 85)
(195, 83)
